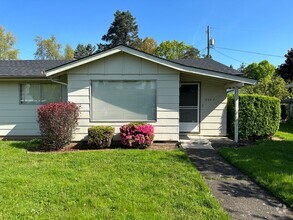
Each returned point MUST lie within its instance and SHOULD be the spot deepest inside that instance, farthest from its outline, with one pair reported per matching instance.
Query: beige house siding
(16, 119)
(213, 104)
(21, 120)
(213, 113)
(122, 66)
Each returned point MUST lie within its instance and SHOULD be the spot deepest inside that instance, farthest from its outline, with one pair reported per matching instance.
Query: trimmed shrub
(259, 116)
(137, 135)
(100, 136)
(57, 122)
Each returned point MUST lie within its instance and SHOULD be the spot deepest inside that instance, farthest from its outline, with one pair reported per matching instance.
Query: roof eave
(149, 57)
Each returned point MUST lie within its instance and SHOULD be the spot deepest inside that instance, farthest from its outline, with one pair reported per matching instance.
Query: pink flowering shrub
(137, 135)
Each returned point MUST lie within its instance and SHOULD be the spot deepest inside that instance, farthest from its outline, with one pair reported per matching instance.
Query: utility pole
(208, 41)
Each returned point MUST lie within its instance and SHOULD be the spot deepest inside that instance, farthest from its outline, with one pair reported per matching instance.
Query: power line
(203, 49)
(228, 56)
(252, 52)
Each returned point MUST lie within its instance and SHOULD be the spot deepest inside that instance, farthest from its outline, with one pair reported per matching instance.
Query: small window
(36, 93)
(123, 101)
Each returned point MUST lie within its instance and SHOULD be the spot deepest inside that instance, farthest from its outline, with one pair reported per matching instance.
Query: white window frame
(122, 120)
(41, 91)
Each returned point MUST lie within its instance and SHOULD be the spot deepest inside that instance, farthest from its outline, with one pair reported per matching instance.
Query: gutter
(58, 82)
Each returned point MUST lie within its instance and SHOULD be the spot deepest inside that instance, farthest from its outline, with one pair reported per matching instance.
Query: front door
(189, 108)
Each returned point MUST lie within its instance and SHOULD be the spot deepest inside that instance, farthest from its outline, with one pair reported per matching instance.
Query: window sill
(123, 121)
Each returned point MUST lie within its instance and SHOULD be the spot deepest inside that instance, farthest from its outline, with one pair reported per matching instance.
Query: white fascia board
(154, 59)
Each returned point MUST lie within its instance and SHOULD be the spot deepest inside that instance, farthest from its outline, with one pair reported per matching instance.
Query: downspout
(55, 81)
(236, 123)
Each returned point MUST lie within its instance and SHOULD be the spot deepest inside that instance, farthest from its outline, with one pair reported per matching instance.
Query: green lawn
(110, 184)
(270, 163)
(286, 131)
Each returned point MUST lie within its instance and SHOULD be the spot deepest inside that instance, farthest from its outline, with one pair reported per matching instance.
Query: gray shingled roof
(27, 68)
(34, 68)
(208, 64)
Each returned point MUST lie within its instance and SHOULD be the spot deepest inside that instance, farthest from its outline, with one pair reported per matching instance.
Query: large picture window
(123, 100)
(36, 93)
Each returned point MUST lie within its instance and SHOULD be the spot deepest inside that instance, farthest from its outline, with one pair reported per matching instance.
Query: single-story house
(117, 86)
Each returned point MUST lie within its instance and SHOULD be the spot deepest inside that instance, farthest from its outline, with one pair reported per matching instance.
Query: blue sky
(263, 26)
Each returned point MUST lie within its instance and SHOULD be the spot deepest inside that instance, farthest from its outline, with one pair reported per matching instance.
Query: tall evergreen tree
(123, 30)
(285, 70)
(84, 50)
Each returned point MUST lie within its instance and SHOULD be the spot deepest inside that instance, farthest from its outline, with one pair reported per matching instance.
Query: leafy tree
(7, 42)
(68, 52)
(173, 50)
(259, 70)
(84, 50)
(123, 30)
(285, 70)
(47, 49)
(274, 87)
(149, 45)
(191, 52)
(268, 82)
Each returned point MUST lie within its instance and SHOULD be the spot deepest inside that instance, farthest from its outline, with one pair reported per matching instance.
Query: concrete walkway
(239, 196)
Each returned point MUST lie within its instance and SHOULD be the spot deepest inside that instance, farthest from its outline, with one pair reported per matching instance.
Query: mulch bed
(83, 146)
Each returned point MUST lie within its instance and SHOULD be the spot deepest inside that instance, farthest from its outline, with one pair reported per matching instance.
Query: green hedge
(259, 116)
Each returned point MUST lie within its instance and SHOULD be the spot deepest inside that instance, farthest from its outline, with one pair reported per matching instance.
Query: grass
(286, 131)
(109, 184)
(270, 163)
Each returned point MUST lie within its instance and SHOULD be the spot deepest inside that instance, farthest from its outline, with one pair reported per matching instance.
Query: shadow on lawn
(32, 145)
(278, 155)
(35, 145)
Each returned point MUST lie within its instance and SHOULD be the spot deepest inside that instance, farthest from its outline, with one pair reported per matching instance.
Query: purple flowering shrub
(137, 135)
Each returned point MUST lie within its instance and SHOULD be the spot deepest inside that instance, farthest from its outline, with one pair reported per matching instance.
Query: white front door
(189, 107)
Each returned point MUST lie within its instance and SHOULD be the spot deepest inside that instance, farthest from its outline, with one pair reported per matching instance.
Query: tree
(191, 52)
(47, 49)
(148, 45)
(7, 42)
(259, 70)
(241, 68)
(68, 52)
(173, 50)
(274, 87)
(268, 82)
(84, 50)
(285, 70)
(123, 30)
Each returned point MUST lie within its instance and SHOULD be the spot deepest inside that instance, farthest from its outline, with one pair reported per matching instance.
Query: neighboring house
(118, 86)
